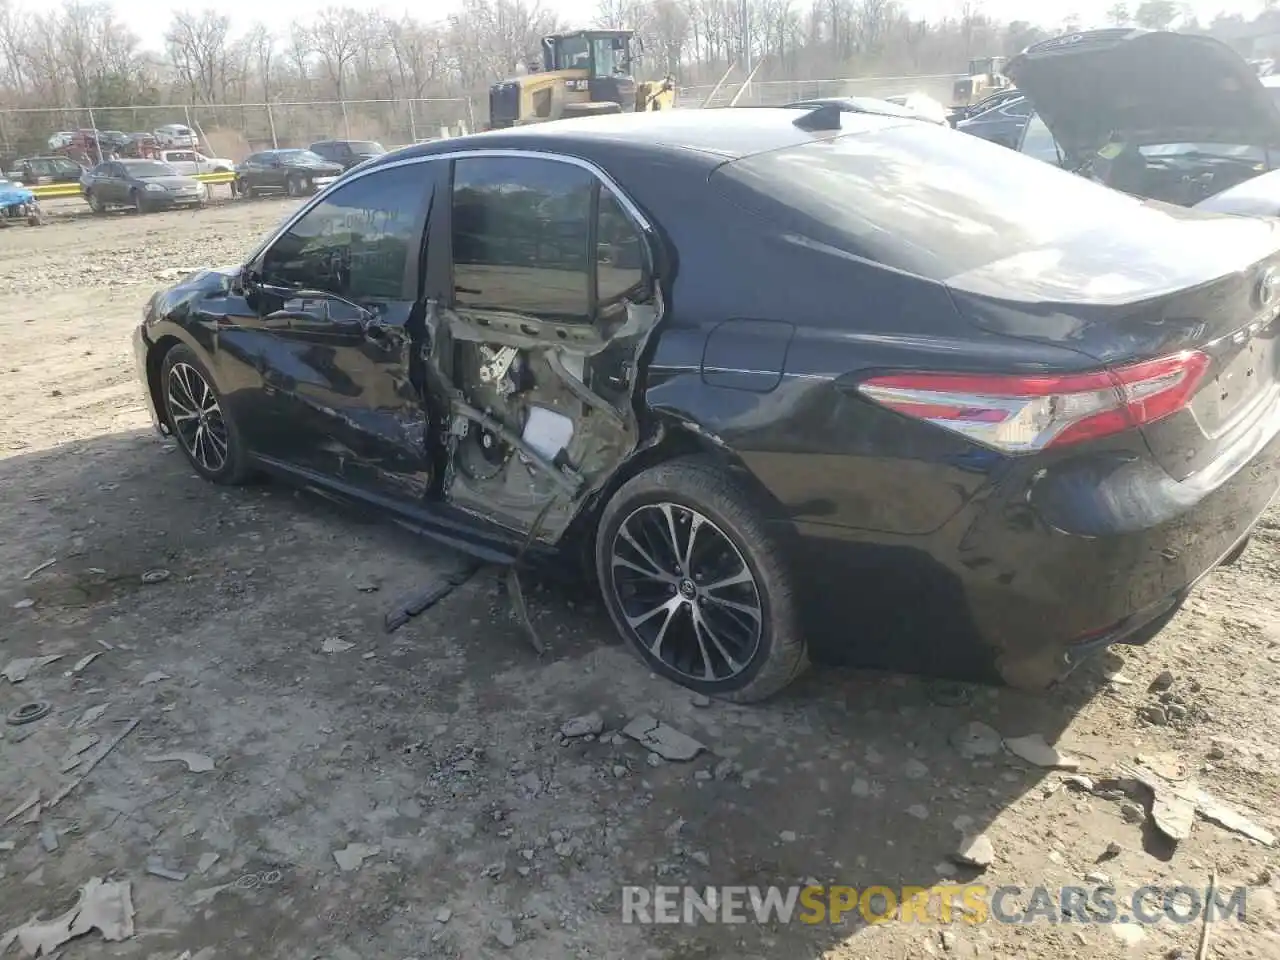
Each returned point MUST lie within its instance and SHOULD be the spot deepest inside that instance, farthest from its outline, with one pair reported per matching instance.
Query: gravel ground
(431, 762)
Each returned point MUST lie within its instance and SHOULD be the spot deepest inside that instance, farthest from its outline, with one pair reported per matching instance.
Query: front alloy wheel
(695, 584)
(291, 187)
(195, 412)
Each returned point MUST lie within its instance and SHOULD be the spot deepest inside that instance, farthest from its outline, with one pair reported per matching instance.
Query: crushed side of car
(524, 440)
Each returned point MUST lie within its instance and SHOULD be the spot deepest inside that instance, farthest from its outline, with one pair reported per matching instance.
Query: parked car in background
(348, 153)
(145, 185)
(176, 135)
(295, 173)
(1037, 409)
(985, 104)
(34, 171)
(1002, 123)
(188, 162)
(1167, 116)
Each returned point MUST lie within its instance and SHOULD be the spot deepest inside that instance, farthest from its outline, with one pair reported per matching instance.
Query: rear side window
(919, 198)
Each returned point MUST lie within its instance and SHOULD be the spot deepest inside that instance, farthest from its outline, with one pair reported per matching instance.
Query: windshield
(918, 198)
(301, 156)
(149, 168)
(363, 147)
(609, 62)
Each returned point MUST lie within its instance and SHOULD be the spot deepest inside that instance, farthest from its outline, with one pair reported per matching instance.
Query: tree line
(82, 55)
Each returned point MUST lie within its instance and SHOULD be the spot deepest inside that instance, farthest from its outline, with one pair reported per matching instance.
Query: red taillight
(1022, 414)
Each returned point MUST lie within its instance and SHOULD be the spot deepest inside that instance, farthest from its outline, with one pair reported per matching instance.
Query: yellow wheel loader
(583, 73)
(986, 76)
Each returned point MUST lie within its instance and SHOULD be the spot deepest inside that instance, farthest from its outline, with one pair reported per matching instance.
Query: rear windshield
(919, 198)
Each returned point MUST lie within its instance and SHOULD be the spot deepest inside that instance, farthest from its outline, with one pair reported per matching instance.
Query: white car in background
(176, 135)
(188, 162)
(923, 105)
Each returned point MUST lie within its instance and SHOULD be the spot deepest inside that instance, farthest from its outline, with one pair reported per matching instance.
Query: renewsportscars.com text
(966, 903)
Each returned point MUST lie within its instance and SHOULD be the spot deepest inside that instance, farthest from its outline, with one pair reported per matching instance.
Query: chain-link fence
(235, 130)
(765, 93)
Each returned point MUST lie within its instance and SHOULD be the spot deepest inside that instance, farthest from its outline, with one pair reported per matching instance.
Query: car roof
(725, 133)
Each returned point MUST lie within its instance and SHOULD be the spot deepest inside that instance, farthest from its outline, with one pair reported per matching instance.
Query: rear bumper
(1052, 564)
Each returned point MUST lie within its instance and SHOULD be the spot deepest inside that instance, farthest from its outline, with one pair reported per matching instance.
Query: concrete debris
(976, 739)
(206, 861)
(919, 811)
(76, 747)
(1035, 750)
(105, 907)
(155, 677)
(25, 603)
(700, 700)
(1130, 934)
(33, 799)
(18, 670)
(586, 725)
(48, 838)
(353, 855)
(196, 762)
(444, 915)
(6, 846)
(505, 933)
(1173, 806)
(975, 850)
(1162, 682)
(913, 769)
(85, 661)
(91, 716)
(157, 868)
(787, 836)
(335, 645)
(663, 740)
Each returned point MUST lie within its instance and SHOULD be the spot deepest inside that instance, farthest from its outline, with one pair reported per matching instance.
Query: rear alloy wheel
(696, 585)
(207, 435)
(292, 187)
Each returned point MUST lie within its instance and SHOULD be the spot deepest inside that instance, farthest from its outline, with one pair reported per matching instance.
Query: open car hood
(1149, 86)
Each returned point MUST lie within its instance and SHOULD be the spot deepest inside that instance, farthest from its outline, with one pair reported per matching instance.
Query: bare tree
(199, 52)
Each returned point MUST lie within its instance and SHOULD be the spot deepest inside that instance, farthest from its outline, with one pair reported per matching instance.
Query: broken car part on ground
(532, 345)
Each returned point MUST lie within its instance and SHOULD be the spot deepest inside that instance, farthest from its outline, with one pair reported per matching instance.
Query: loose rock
(1035, 750)
(663, 740)
(975, 850)
(589, 724)
(976, 739)
(505, 933)
(1162, 682)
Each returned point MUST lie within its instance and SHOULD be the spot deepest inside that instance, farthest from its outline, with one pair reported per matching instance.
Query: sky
(149, 20)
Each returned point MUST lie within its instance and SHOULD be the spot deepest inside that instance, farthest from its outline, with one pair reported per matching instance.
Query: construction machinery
(583, 73)
(986, 76)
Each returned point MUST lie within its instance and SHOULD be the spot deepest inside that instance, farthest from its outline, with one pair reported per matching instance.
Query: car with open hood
(784, 385)
(1166, 116)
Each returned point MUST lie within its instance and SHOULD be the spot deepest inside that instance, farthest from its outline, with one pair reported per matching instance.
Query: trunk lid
(1149, 86)
(1205, 282)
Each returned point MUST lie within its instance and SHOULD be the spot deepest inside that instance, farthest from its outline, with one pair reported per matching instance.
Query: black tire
(139, 204)
(233, 466)
(95, 205)
(291, 187)
(696, 490)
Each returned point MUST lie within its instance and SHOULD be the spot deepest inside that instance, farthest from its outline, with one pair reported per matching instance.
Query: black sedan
(1002, 123)
(295, 173)
(145, 185)
(36, 171)
(348, 153)
(786, 383)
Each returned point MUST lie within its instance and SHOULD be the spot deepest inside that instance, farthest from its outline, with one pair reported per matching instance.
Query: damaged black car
(786, 384)
(1166, 116)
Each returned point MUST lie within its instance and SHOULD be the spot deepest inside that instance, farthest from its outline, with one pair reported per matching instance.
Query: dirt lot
(438, 747)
